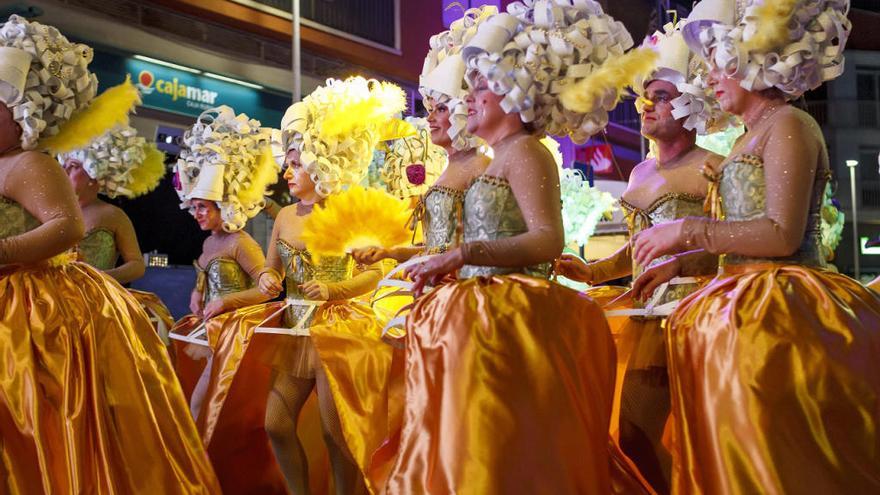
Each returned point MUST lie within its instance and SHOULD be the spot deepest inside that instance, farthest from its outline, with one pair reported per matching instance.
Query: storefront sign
(188, 93)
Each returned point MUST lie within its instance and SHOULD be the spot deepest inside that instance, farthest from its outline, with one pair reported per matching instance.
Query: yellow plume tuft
(397, 129)
(264, 175)
(609, 80)
(105, 112)
(355, 218)
(772, 31)
(146, 176)
(362, 104)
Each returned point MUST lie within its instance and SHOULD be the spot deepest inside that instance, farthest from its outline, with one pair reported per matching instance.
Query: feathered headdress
(122, 163)
(791, 45)
(228, 159)
(413, 163)
(337, 127)
(540, 47)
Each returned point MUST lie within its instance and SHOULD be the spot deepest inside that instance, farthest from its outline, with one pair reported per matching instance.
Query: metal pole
(297, 61)
(855, 220)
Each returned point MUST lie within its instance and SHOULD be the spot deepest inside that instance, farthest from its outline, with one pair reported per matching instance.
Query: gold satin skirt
(88, 399)
(157, 310)
(775, 382)
(509, 384)
(358, 365)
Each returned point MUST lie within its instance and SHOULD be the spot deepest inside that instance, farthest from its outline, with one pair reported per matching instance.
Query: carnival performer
(443, 88)
(88, 403)
(675, 106)
(485, 412)
(118, 163)
(334, 346)
(225, 165)
(776, 350)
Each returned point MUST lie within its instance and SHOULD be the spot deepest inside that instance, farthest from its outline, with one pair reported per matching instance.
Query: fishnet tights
(286, 400)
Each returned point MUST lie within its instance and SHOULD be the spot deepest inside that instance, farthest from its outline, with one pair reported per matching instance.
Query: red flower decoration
(415, 174)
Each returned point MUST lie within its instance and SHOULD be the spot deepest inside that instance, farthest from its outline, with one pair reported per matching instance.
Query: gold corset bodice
(491, 212)
(742, 189)
(98, 248)
(666, 208)
(223, 276)
(439, 211)
(300, 268)
(15, 220)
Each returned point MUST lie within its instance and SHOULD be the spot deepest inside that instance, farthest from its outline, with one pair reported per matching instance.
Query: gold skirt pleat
(88, 398)
(775, 383)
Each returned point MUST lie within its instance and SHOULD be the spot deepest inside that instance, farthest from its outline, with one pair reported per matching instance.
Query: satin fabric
(358, 365)
(775, 383)
(155, 308)
(509, 384)
(88, 400)
(232, 418)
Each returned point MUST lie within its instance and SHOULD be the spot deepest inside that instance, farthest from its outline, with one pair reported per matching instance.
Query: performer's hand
(370, 255)
(316, 291)
(270, 284)
(435, 269)
(574, 268)
(644, 286)
(195, 303)
(659, 240)
(214, 308)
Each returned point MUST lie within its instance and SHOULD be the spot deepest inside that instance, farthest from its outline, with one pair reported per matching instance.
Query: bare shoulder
(708, 159)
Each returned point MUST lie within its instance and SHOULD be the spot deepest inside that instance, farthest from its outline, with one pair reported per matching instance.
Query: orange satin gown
(89, 399)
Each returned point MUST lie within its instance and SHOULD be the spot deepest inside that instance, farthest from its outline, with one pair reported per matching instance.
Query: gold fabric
(89, 400)
(775, 384)
(154, 308)
(508, 390)
(442, 210)
(98, 248)
(773, 368)
(490, 213)
(224, 276)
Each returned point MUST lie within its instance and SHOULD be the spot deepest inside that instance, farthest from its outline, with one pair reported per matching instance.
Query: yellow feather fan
(356, 218)
(146, 176)
(613, 76)
(772, 31)
(264, 175)
(361, 104)
(105, 112)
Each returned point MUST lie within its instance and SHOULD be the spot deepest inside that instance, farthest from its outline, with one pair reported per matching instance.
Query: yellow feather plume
(264, 175)
(613, 76)
(772, 31)
(361, 107)
(105, 112)
(397, 129)
(146, 176)
(356, 218)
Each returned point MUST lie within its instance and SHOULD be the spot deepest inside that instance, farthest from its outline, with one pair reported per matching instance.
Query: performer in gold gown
(674, 106)
(509, 377)
(88, 401)
(773, 370)
(118, 163)
(330, 342)
(224, 168)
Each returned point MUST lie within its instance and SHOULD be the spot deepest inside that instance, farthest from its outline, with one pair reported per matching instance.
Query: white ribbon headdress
(675, 64)
(228, 159)
(443, 74)
(533, 52)
(792, 45)
(122, 163)
(44, 78)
